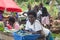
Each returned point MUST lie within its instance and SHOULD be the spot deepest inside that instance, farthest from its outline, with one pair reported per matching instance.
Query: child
(12, 23)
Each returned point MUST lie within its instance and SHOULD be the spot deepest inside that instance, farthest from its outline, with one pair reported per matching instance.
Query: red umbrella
(11, 6)
(1, 5)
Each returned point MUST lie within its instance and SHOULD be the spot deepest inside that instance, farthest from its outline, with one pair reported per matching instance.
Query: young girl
(12, 24)
(36, 26)
(45, 17)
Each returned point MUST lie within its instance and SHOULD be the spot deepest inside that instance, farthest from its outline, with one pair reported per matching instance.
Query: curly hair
(12, 19)
(31, 12)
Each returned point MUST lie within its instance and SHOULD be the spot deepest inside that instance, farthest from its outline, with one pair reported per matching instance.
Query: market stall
(6, 6)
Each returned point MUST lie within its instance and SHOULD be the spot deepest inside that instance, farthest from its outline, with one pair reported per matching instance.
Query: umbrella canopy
(9, 5)
(1, 5)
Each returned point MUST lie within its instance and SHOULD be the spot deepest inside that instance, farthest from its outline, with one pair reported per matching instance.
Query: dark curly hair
(12, 19)
(31, 12)
(44, 11)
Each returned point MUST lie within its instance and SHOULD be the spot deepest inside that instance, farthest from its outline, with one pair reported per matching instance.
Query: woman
(35, 26)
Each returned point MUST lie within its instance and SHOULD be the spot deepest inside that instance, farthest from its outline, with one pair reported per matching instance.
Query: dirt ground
(5, 37)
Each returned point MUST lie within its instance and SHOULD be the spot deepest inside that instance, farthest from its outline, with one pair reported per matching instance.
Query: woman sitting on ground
(34, 25)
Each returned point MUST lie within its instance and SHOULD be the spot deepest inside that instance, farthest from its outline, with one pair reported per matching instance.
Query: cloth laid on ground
(25, 36)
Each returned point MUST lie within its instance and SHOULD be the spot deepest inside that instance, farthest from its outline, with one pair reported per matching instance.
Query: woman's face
(31, 19)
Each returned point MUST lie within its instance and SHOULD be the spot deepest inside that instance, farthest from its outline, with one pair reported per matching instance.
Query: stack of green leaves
(1, 26)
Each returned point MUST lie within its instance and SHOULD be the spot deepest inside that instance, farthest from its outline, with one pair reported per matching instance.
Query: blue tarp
(26, 37)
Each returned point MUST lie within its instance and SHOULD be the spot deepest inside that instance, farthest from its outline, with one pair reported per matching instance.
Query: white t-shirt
(36, 26)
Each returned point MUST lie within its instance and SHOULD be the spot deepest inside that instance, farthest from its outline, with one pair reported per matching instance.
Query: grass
(55, 35)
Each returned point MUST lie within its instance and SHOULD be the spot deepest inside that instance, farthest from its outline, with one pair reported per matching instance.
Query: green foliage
(58, 1)
(55, 35)
(37, 0)
(1, 26)
(54, 12)
(20, 1)
(1, 29)
(23, 4)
